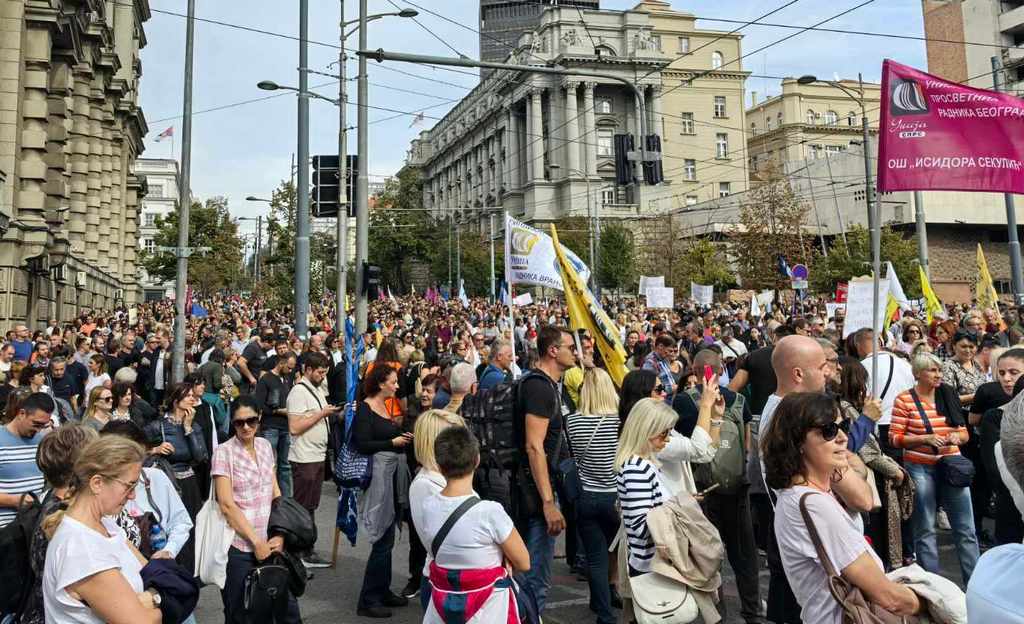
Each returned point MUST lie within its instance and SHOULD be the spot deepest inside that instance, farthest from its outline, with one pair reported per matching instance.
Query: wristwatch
(156, 597)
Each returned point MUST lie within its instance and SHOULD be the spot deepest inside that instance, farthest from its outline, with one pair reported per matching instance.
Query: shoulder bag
(658, 599)
(954, 470)
(213, 539)
(857, 609)
(568, 469)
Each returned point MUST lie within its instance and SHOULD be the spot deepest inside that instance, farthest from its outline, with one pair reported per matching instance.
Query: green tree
(574, 233)
(279, 268)
(853, 259)
(210, 225)
(401, 230)
(703, 262)
(616, 258)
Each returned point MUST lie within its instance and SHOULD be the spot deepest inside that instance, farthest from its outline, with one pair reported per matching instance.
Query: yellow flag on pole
(932, 306)
(586, 313)
(984, 290)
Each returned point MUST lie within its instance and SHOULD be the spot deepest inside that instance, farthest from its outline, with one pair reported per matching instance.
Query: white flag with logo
(530, 257)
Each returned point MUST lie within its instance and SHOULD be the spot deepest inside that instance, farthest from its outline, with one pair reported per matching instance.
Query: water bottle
(157, 537)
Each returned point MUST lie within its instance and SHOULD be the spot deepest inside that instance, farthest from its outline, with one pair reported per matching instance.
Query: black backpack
(493, 417)
(16, 577)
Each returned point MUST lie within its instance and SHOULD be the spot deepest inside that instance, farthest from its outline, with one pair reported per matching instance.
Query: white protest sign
(702, 294)
(660, 297)
(830, 309)
(523, 299)
(530, 257)
(648, 282)
(859, 305)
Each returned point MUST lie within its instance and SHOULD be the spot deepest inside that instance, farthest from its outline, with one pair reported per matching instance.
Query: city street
(331, 595)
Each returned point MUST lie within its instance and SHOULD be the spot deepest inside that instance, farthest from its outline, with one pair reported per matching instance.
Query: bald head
(799, 364)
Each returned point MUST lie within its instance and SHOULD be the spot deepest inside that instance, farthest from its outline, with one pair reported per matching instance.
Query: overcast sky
(246, 149)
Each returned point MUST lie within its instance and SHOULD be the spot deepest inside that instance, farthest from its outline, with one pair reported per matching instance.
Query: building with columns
(503, 22)
(541, 146)
(162, 178)
(70, 132)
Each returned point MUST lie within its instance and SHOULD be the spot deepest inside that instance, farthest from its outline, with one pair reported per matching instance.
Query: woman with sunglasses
(913, 332)
(99, 408)
(804, 454)
(923, 448)
(246, 480)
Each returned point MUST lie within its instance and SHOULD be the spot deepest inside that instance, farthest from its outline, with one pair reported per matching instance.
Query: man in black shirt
(543, 412)
(251, 360)
(63, 385)
(272, 394)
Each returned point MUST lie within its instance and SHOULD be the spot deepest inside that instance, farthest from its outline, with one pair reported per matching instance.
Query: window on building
(689, 169)
(686, 125)
(753, 163)
(834, 149)
(814, 151)
(656, 42)
(753, 128)
(767, 124)
(831, 118)
(724, 189)
(779, 119)
(851, 118)
(716, 60)
(691, 200)
(603, 105)
(720, 106)
(812, 117)
(608, 195)
(149, 219)
(684, 45)
(721, 145)
(149, 245)
(605, 142)
(156, 191)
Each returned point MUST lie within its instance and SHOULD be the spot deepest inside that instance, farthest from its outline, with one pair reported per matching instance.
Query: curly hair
(781, 445)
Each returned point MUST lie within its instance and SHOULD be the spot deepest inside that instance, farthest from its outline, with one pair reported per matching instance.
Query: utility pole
(490, 219)
(922, 233)
(259, 247)
(1011, 215)
(876, 243)
(343, 198)
(184, 203)
(362, 182)
(302, 216)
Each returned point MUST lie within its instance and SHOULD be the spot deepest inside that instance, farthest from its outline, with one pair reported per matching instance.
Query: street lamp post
(873, 219)
(259, 243)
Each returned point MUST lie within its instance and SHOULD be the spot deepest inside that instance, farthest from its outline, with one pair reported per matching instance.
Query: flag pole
(511, 297)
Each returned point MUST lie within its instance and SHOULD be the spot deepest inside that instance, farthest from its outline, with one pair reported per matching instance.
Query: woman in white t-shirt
(470, 574)
(428, 482)
(804, 454)
(91, 573)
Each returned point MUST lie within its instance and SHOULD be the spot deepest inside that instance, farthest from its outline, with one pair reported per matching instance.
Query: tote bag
(213, 539)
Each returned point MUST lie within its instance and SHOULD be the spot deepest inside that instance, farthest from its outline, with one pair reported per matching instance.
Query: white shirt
(474, 543)
(843, 543)
(678, 454)
(902, 380)
(311, 446)
(77, 552)
(766, 418)
(158, 372)
(94, 382)
(205, 357)
(426, 484)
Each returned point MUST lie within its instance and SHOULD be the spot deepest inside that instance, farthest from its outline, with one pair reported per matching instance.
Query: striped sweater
(906, 421)
(640, 490)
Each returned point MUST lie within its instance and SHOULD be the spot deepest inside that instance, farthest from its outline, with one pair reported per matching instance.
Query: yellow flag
(932, 306)
(892, 309)
(984, 291)
(586, 313)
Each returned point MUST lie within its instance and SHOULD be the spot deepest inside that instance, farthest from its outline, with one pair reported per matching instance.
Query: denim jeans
(541, 547)
(233, 594)
(377, 578)
(598, 524)
(281, 441)
(930, 492)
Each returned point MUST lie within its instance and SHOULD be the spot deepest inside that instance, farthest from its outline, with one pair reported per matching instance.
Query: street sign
(799, 273)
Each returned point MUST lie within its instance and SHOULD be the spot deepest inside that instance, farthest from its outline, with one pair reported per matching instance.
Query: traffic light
(324, 198)
(623, 165)
(654, 173)
(371, 280)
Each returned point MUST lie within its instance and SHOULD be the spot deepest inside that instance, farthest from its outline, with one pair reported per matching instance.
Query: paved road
(331, 595)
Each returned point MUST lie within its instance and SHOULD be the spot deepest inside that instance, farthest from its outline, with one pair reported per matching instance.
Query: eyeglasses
(128, 486)
(663, 435)
(252, 423)
(106, 398)
(832, 429)
(913, 331)
(660, 389)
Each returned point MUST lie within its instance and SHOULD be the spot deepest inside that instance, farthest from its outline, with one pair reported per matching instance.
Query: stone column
(93, 199)
(512, 149)
(117, 226)
(106, 184)
(57, 151)
(80, 145)
(572, 134)
(589, 128)
(535, 135)
(30, 185)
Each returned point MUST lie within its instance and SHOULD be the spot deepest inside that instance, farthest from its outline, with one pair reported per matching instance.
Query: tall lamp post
(259, 245)
(873, 218)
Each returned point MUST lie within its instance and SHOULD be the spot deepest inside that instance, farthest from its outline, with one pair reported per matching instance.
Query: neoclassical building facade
(70, 131)
(541, 146)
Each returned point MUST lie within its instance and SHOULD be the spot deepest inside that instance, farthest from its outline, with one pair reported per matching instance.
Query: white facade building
(162, 177)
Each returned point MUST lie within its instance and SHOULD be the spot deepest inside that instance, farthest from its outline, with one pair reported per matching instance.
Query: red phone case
(708, 373)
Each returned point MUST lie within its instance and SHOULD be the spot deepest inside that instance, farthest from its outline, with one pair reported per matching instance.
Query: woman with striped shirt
(923, 450)
(594, 436)
(639, 480)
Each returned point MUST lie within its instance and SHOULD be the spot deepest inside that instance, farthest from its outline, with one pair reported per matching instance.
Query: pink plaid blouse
(252, 483)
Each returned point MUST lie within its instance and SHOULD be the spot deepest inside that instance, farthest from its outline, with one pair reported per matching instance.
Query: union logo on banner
(943, 136)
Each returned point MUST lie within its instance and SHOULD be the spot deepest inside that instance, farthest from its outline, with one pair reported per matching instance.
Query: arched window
(753, 128)
(716, 60)
(812, 117)
(851, 118)
(831, 118)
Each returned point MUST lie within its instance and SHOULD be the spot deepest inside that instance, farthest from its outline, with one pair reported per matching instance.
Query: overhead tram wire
(432, 33)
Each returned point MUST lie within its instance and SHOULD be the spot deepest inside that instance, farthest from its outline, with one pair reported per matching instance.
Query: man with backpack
(727, 506)
(542, 410)
(19, 440)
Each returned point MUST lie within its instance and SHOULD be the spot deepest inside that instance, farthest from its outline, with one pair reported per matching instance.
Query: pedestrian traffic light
(371, 280)
(623, 165)
(324, 199)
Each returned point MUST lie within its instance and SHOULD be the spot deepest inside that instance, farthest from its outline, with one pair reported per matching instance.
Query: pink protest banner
(939, 135)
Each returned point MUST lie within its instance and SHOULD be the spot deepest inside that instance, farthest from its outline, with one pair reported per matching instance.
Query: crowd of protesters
(766, 436)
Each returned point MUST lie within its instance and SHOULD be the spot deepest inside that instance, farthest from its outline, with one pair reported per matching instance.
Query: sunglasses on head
(246, 422)
(832, 429)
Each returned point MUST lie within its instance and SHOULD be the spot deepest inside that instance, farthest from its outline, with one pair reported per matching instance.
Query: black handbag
(265, 594)
(954, 470)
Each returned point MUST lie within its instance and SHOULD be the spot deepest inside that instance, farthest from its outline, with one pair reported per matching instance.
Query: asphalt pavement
(332, 593)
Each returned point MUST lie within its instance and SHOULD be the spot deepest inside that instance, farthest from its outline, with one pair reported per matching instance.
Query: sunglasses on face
(660, 389)
(246, 422)
(106, 398)
(831, 430)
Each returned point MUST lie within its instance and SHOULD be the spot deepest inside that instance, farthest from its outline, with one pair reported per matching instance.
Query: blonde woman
(639, 481)
(91, 573)
(428, 482)
(594, 436)
(99, 408)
